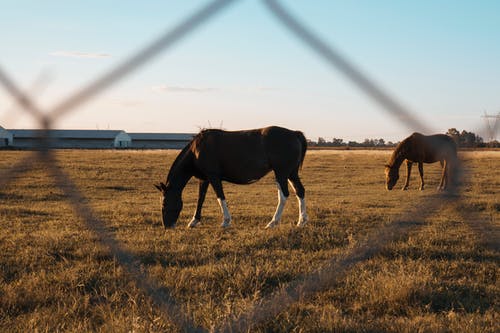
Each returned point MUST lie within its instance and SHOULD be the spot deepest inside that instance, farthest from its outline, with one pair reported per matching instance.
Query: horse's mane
(191, 146)
(401, 150)
(198, 138)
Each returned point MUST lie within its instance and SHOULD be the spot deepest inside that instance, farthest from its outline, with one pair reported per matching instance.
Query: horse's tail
(303, 143)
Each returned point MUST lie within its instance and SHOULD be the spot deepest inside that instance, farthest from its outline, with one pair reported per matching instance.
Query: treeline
(466, 139)
(463, 139)
(336, 142)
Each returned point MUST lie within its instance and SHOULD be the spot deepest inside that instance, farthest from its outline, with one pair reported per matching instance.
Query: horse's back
(442, 142)
(247, 155)
(285, 148)
(254, 141)
(221, 146)
(432, 148)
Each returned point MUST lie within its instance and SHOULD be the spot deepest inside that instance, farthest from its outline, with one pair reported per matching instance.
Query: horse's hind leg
(421, 172)
(282, 197)
(202, 191)
(300, 193)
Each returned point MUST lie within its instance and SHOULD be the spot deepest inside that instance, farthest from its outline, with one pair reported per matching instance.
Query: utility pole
(491, 130)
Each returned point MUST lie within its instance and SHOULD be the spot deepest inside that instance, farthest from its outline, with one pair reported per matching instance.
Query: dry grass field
(437, 273)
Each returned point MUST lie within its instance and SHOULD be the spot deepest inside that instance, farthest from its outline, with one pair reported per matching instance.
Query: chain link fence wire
(37, 87)
(303, 287)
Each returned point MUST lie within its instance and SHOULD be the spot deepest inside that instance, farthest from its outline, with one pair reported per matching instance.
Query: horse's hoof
(302, 220)
(405, 188)
(301, 223)
(226, 223)
(271, 224)
(193, 223)
(421, 188)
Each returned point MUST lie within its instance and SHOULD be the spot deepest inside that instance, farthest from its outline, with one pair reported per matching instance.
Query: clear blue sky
(243, 69)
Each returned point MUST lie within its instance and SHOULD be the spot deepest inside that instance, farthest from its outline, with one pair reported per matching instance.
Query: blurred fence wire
(305, 286)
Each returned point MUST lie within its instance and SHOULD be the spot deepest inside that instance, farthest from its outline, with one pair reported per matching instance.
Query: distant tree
(337, 142)
(493, 144)
(465, 139)
(454, 134)
(470, 139)
(321, 141)
(368, 143)
(311, 143)
(353, 144)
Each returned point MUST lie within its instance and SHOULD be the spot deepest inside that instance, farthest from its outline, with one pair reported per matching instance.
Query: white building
(160, 140)
(6, 138)
(91, 139)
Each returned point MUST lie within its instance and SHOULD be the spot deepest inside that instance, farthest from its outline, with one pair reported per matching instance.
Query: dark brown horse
(418, 148)
(240, 157)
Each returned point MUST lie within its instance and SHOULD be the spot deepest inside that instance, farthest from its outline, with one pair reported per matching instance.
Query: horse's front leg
(221, 199)
(408, 173)
(202, 191)
(421, 172)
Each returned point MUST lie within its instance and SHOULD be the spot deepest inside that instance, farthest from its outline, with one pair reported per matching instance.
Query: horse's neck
(398, 156)
(179, 180)
(181, 171)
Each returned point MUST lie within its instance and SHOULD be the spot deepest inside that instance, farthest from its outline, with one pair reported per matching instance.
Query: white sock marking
(194, 221)
(302, 212)
(279, 209)
(302, 208)
(225, 212)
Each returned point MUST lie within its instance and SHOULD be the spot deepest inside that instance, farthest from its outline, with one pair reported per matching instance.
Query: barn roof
(4, 133)
(66, 134)
(162, 136)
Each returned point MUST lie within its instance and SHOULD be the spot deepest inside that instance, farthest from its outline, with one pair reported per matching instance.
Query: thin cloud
(254, 89)
(162, 88)
(130, 103)
(76, 54)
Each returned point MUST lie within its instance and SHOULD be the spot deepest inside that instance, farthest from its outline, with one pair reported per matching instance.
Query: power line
(491, 130)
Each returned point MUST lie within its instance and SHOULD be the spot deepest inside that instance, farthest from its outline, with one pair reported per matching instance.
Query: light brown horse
(240, 157)
(418, 148)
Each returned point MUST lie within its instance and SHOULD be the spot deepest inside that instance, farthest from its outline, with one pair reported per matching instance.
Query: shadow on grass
(118, 188)
(306, 239)
(417, 253)
(458, 298)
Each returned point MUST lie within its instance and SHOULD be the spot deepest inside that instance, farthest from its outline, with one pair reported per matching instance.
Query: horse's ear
(161, 187)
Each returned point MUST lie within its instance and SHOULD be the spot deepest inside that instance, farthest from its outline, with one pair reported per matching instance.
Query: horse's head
(391, 176)
(171, 204)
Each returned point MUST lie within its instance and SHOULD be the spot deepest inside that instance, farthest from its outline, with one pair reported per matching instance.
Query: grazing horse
(423, 149)
(240, 157)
